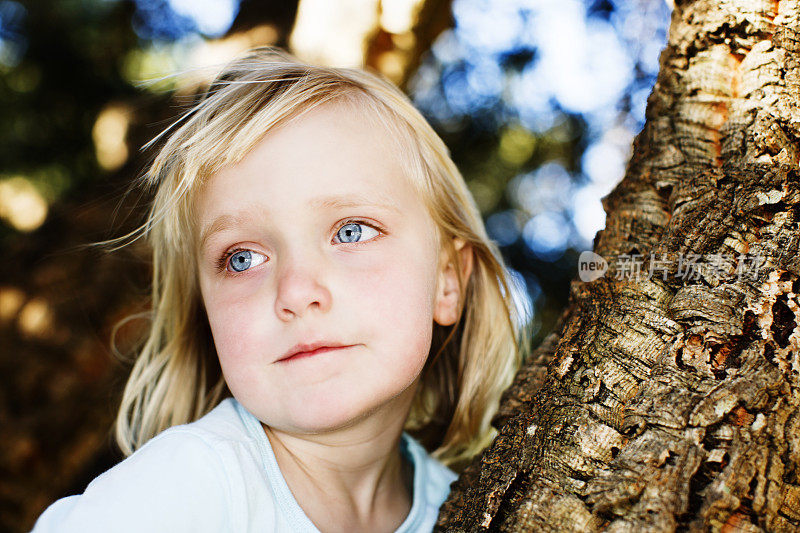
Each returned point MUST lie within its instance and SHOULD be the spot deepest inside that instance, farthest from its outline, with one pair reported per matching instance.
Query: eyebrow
(227, 221)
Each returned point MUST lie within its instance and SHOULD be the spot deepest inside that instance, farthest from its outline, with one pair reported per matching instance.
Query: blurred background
(538, 100)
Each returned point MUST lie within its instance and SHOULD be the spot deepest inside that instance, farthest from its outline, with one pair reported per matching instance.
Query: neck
(354, 476)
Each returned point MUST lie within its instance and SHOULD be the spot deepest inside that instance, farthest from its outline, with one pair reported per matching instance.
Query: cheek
(395, 295)
(234, 327)
(236, 342)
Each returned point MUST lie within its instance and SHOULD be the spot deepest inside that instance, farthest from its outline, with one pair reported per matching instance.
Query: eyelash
(222, 262)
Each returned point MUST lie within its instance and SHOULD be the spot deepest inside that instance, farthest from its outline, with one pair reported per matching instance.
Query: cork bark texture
(671, 401)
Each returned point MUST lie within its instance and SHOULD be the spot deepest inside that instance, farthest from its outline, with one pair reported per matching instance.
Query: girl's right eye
(241, 260)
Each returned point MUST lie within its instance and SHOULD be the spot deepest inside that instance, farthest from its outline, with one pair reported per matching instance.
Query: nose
(300, 289)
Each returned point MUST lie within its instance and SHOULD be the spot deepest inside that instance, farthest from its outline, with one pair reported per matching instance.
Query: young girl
(323, 288)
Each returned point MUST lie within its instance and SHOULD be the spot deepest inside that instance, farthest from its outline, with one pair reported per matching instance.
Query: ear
(448, 293)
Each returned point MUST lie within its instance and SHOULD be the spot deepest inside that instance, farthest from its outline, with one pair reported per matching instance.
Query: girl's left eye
(356, 232)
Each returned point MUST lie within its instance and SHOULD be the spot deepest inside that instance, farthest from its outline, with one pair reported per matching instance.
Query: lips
(307, 350)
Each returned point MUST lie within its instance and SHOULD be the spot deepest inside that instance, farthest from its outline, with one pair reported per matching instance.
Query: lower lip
(313, 352)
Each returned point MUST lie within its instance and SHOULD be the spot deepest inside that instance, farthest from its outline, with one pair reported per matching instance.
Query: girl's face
(317, 238)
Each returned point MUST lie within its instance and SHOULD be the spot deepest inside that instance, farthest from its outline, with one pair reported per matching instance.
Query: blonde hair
(176, 376)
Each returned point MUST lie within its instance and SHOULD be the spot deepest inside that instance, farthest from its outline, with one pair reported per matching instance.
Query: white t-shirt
(217, 474)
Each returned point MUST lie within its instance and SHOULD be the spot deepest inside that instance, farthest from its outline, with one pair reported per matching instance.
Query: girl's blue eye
(244, 259)
(352, 232)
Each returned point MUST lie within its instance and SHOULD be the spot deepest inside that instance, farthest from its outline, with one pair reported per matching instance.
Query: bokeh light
(210, 17)
(21, 204)
(333, 33)
(13, 42)
(398, 16)
(536, 70)
(36, 318)
(11, 300)
(109, 132)
(171, 20)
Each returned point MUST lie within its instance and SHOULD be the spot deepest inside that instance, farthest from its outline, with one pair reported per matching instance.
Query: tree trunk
(671, 401)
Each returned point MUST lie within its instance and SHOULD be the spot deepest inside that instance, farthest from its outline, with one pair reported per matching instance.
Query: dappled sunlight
(21, 204)
(399, 16)
(11, 300)
(220, 51)
(338, 33)
(211, 17)
(504, 226)
(204, 56)
(333, 33)
(392, 64)
(12, 40)
(144, 67)
(36, 318)
(588, 214)
(548, 188)
(516, 145)
(547, 234)
(547, 66)
(172, 20)
(108, 134)
(183, 65)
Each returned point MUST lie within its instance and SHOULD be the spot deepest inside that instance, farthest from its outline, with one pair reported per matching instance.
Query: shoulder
(178, 481)
(198, 452)
(221, 424)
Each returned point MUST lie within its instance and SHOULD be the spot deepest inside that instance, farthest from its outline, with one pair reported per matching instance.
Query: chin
(330, 414)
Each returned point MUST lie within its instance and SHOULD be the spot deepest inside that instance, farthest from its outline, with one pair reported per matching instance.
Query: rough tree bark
(663, 404)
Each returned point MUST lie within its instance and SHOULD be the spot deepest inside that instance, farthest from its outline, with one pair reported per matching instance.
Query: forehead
(330, 150)
(329, 142)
